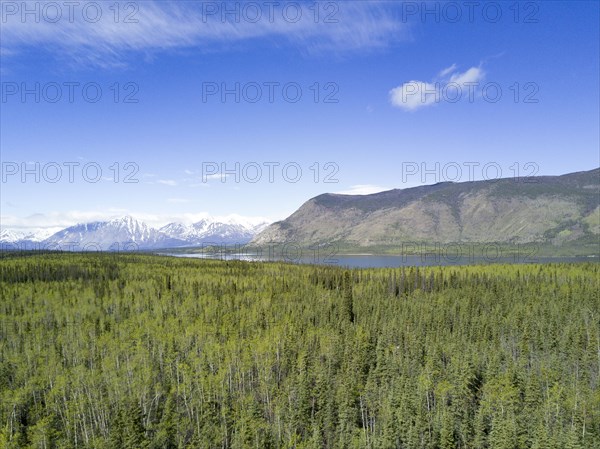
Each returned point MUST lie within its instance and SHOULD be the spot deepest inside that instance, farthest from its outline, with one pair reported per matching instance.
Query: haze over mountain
(556, 210)
(127, 233)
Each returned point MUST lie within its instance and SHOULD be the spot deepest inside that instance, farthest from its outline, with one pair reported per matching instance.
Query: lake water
(371, 261)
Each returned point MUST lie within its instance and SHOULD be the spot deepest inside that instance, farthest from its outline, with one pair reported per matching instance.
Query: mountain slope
(210, 231)
(129, 234)
(550, 209)
(119, 234)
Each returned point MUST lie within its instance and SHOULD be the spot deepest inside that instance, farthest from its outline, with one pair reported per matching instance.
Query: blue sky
(387, 89)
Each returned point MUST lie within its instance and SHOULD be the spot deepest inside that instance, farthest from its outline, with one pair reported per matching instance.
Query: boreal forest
(136, 351)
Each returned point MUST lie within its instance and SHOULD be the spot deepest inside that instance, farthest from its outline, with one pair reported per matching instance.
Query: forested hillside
(130, 351)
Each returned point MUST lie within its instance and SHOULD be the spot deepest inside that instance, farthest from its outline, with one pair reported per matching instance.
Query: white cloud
(363, 189)
(473, 75)
(57, 220)
(169, 25)
(414, 95)
(167, 182)
(447, 70)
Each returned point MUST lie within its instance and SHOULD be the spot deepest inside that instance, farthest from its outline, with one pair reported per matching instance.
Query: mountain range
(557, 211)
(127, 233)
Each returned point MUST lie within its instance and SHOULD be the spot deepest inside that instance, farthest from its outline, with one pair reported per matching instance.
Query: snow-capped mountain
(9, 236)
(127, 233)
(10, 239)
(120, 234)
(211, 231)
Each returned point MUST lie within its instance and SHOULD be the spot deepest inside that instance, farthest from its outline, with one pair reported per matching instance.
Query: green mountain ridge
(556, 211)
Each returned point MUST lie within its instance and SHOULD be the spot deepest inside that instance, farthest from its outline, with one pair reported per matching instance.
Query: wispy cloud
(167, 182)
(168, 25)
(414, 94)
(57, 220)
(447, 71)
(473, 75)
(363, 189)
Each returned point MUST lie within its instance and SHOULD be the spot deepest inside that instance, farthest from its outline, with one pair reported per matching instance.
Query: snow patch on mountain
(37, 235)
(128, 233)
